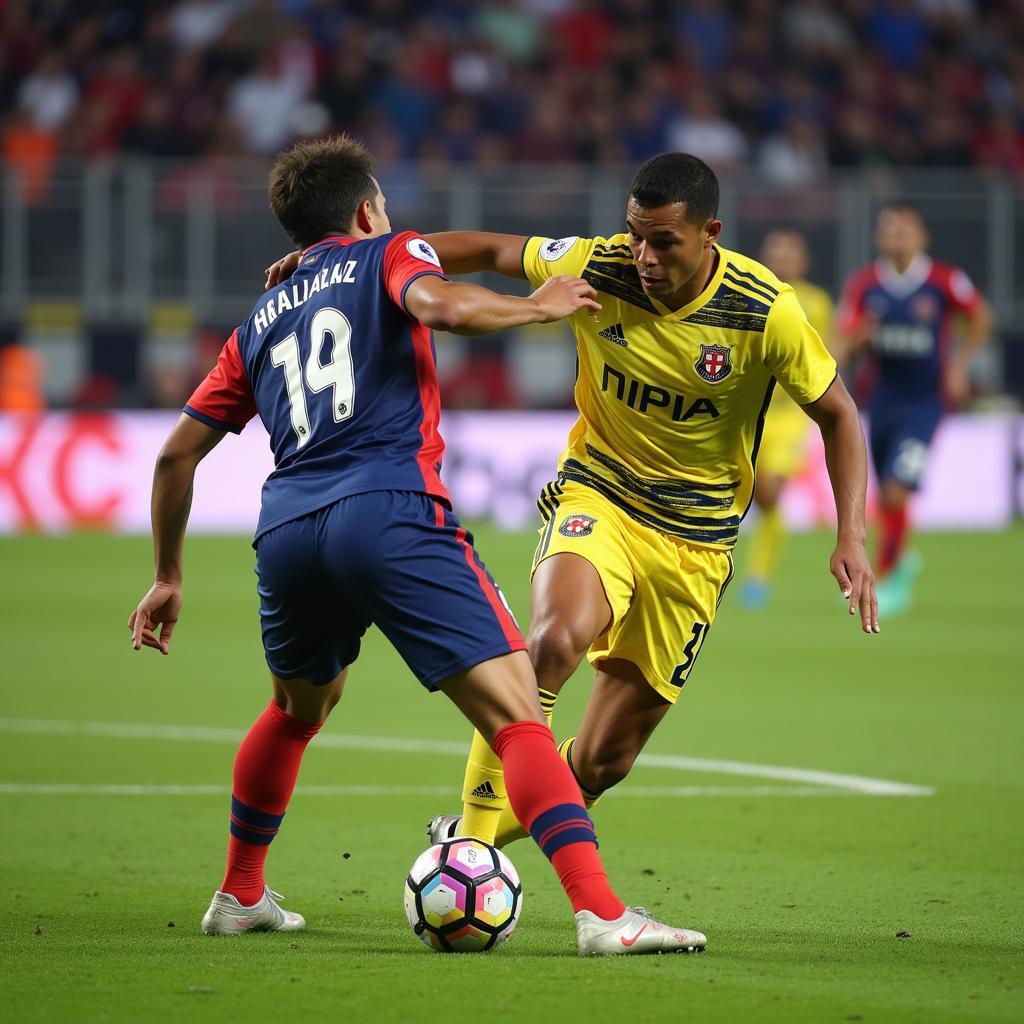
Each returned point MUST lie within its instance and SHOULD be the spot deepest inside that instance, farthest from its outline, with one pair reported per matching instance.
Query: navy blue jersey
(910, 315)
(343, 378)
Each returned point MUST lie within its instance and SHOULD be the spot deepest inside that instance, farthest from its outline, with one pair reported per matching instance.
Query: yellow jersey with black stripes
(672, 402)
(817, 306)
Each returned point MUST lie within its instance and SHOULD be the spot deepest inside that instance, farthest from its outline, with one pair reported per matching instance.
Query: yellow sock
(483, 792)
(565, 749)
(547, 704)
(766, 544)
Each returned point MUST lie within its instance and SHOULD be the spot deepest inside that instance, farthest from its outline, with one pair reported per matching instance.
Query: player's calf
(499, 697)
(597, 774)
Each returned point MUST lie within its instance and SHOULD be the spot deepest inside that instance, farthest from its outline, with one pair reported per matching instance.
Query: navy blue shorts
(900, 438)
(394, 559)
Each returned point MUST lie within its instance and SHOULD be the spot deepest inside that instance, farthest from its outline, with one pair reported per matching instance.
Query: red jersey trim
(432, 449)
(225, 399)
(944, 276)
(504, 617)
(506, 620)
(401, 267)
(851, 303)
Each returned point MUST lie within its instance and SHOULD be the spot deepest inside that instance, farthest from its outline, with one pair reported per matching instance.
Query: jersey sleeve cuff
(824, 390)
(210, 421)
(522, 257)
(416, 277)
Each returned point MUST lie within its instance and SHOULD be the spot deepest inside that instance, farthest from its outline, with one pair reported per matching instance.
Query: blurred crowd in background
(794, 95)
(789, 88)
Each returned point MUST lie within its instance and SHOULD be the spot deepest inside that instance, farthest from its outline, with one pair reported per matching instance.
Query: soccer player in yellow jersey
(675, 375)
(784, 441)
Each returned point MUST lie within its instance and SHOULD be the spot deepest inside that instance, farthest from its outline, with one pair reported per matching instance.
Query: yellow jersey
(672, 402)
(817, 305)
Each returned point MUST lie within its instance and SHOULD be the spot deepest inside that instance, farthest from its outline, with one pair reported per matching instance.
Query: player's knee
(306, 702)
(554, 650)
(313, 710)
(330, 701)
(600, 772)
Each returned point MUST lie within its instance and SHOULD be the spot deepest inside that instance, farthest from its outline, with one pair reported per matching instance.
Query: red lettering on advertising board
(52, 447)
(11, 468)
(85, 430)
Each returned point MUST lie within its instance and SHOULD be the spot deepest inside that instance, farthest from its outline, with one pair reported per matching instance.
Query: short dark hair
(677, 178)
(316, 187)
(902, 206)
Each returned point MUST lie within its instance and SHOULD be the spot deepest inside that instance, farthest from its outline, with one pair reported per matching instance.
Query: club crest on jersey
(925, 307)
(555, 248)
(715, 363)
(422, 250)
(577, 526)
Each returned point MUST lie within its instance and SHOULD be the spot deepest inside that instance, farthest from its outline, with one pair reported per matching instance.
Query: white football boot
(444, 826)
(227, 916)
(636, 931)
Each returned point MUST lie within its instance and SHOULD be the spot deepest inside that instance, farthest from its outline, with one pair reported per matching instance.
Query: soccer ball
(463, 896)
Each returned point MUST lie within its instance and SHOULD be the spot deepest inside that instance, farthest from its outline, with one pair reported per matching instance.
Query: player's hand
(852, 570)
(957, 384)
(561, 296)
(282, 269)
(159, 608)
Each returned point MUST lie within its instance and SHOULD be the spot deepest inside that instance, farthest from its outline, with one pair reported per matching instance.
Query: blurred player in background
(356, 528)
(901, 308)
(675, 376)
(786, 427)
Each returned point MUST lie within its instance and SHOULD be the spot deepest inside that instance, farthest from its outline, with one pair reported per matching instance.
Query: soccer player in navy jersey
(356, 528)
(901, 308)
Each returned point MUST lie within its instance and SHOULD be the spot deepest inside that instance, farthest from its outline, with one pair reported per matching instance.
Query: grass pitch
(821, 904)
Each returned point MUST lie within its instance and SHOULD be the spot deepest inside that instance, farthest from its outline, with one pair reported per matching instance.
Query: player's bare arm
(463, 308)
(469, 252)
(836, 415)
(188, 444)
(460, 252)
(979, 326)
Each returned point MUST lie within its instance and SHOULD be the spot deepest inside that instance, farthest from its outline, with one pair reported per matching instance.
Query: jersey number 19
(336, 374)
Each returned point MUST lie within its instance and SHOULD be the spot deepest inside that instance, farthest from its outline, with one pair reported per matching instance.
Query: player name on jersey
(301, 291)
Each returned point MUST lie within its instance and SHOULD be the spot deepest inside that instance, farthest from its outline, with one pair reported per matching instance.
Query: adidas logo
(615, 335)
(486, 790)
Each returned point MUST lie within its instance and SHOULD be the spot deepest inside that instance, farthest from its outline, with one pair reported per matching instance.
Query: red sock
(893, 533)
(546, 799)
(266, 767)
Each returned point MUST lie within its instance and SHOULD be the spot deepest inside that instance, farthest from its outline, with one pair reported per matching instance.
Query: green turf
(802, 896)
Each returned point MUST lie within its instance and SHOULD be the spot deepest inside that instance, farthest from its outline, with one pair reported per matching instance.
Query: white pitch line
(861, 784)
(660, 792)
(830, 781)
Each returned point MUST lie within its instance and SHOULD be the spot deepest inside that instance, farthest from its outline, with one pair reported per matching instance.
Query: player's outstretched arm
(463, 308)
(469, 252)
(188, 444)
(836, 416)
(460, 252)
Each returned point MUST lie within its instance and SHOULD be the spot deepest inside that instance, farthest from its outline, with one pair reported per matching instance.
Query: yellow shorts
(784, 441)
(663, 592)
